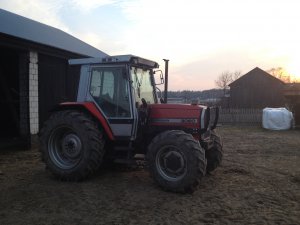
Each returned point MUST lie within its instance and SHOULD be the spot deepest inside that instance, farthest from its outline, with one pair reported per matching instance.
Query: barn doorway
(57, 83)
(14, 129)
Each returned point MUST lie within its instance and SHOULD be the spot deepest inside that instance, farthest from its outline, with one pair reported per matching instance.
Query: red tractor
(117, 115)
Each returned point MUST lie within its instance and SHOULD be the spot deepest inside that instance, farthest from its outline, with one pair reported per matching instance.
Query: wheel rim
(65, 147)
(171, 163)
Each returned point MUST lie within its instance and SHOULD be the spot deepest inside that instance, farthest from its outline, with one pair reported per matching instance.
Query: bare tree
(280, 74)
(226, 78)
(296, 80)
(236, 75)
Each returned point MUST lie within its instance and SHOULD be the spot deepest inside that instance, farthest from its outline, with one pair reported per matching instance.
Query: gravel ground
(258, 183)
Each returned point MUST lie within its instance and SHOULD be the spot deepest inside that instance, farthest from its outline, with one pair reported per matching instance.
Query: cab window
(109, 89)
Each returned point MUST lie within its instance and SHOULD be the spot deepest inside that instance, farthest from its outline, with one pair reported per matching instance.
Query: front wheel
(176, 161)
(71, 144)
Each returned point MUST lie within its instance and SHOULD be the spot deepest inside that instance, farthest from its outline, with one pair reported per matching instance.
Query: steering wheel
(143, 112)
(144, 103)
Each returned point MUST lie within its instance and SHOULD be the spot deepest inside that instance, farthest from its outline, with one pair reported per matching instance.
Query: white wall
(33, 92)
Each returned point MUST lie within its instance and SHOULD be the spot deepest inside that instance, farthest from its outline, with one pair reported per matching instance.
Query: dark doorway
(9, 94)
(14, 119)
(297, 115)
(57, 83)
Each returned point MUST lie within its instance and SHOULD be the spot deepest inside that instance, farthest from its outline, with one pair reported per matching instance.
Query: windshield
(142, 85)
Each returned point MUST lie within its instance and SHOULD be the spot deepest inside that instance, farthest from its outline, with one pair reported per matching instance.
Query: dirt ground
(258, 183)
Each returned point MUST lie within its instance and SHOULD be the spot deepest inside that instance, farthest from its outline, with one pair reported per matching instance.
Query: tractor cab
(118, 86)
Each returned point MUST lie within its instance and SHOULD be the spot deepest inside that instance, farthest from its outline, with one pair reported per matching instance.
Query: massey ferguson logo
(189, 120)
(177, 120)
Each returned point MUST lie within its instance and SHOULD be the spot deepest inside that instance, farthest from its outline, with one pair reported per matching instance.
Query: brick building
(34, 74)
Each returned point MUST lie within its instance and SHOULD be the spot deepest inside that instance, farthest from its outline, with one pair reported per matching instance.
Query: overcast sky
(201, 38)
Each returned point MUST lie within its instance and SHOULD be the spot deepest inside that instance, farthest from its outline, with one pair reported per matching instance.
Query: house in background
(34, 73)
(292, 95)
(256, 89)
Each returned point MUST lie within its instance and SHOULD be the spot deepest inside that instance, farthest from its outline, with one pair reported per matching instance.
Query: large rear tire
(215, 154)
(176, 161)
(72, 145)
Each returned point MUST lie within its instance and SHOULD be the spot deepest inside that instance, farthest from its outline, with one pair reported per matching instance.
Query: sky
(201, 38)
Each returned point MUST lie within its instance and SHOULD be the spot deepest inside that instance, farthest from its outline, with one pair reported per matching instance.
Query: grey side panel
(83, 83)
(121, 129)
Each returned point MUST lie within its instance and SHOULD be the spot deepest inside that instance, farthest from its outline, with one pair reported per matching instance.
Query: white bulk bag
(277, 119)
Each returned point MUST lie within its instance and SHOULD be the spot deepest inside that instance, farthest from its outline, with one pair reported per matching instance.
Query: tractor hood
(177, 116)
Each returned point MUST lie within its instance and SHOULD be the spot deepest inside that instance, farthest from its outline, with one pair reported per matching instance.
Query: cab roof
(131, 59)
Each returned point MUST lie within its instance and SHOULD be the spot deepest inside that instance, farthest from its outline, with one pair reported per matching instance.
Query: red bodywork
(160, 115)
(90, 106)
(187, 116)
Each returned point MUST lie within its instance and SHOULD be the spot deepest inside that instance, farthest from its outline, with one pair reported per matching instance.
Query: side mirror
(161, 77)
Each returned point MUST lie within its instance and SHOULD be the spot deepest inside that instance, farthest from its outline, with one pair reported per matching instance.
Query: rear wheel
(215, 154)
(176, 161)
(71, 145)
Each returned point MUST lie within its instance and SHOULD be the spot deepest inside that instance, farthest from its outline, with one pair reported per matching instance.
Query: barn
(34, 74)
(292, 94)
(256, 89)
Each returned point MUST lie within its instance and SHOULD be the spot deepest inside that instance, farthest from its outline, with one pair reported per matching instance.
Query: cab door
(109, 89)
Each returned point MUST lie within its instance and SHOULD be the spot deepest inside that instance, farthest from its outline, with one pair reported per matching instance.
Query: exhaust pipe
(166, 80)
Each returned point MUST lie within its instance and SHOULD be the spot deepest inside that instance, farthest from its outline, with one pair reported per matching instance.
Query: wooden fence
(240, 116)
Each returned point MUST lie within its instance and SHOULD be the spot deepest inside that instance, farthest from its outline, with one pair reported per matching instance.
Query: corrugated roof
(22, 27)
